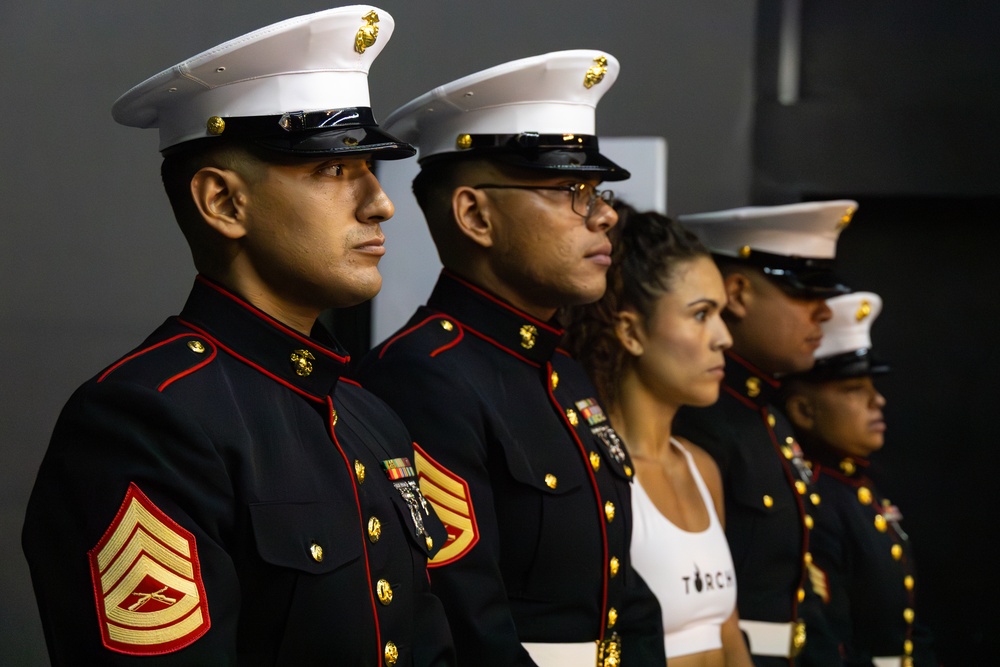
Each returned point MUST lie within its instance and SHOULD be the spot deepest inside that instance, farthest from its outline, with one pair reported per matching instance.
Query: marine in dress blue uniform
(864, 557)
(222, 494)
(513, 447)
(770, 496)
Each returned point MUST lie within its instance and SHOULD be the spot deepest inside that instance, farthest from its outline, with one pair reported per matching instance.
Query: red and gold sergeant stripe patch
(449, 494)
(147, 581)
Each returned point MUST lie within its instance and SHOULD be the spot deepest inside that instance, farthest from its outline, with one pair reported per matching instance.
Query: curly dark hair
(648, 249)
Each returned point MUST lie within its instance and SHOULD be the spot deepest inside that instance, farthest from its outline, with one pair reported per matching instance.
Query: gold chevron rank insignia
(817, 578)
(147, 581)
(449, 494)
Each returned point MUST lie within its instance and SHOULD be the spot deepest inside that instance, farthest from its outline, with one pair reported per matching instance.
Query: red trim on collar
(231, 352)
(742, 399)
(766, 377)
(503, 304)
(270, 320)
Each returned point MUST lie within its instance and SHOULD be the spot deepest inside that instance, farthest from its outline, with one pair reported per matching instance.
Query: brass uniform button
(908, 647)
(787, 452)
(771, 421)
(196, 346)
(808, 558)
(897, 552)
(609, 511)
(571, 416)
(374, 529)
(800, 595)
(359, 471)
(753, 387)
(908, 582)
(848, 468)
(614, 565)
(446, 325)
(384, 591)
(554, 379)
(789, 440)
(595, 461)
(800, 486)
(612, 617)
(463, 142)
(391, 654)
(864, 495)
(430, 542)
(908, 615)
(809, 522)
(551, 481)
(316, 551)
(814, 498)
(880, 524)
(907, 661)
(628, 471)
(768, 501)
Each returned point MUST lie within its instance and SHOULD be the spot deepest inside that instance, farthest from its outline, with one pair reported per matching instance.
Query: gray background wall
(90, 260)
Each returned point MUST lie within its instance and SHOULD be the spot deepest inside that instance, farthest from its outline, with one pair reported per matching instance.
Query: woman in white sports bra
(652, 344)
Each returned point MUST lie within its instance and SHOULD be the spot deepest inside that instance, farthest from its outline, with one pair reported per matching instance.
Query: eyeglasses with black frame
(583, 196)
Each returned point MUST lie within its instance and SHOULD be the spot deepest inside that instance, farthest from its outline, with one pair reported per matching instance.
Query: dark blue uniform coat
(530, 479)
(222, 496)
(769, 503)
(860, 546)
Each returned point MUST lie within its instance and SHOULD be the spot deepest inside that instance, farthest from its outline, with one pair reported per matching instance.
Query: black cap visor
(313, 134)
(859, 363)
(804, 277)
(560, 153)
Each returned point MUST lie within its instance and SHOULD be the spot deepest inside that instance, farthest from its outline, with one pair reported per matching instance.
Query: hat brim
(559, 154)
(341, 142)
(859, 363)
(822, 284)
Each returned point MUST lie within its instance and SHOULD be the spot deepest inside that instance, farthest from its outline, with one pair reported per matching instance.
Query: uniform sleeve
(125, 535)
(451, 425)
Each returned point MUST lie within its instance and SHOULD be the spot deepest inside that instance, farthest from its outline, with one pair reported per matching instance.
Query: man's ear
(630, 332)
(471, 210)
(800, 412)
(220, 197)
(739, 292)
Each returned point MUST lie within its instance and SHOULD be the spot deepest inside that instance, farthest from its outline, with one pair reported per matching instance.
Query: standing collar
(256, 338)
(749, 382)
(490, 317)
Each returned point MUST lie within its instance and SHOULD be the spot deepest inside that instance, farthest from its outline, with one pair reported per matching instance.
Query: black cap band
(811, 277)
(531, 150)
(348, 131)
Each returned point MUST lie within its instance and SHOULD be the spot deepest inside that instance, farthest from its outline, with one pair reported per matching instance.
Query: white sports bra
(691, 574)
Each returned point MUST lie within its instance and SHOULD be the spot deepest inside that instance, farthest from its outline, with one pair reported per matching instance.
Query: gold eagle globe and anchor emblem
(368, 33)
(595, 74)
